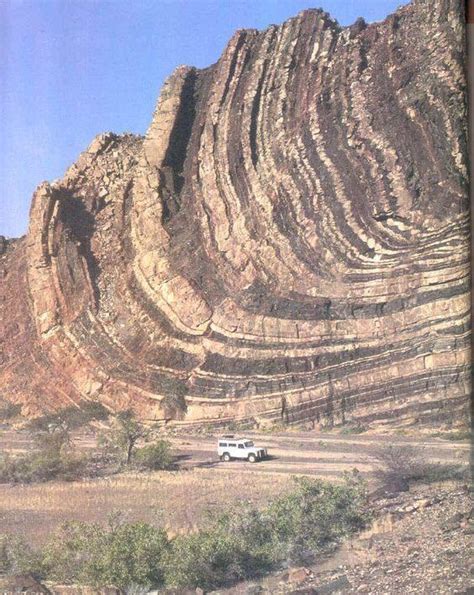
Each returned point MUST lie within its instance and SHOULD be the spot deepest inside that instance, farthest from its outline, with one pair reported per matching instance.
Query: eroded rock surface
(290, 238)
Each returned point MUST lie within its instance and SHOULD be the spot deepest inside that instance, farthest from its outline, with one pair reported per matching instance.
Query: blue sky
(70, 69)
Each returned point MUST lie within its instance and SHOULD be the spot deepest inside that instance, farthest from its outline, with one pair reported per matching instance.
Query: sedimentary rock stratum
(289, 239)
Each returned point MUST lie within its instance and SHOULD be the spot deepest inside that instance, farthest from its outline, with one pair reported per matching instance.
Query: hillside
(290, 239)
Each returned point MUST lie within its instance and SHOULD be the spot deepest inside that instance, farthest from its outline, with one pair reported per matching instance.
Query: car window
(222, 443)
(241, 445)
(232, 445)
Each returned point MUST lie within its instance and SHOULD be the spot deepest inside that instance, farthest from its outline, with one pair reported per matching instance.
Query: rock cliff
(288, 241)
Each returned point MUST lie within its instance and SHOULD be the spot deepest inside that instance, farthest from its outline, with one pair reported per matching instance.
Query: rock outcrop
(289, 240)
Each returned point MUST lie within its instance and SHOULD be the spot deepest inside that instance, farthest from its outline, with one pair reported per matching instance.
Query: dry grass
(178, 501)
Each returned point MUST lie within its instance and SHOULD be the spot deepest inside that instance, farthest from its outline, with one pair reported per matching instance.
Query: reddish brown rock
(289, 241)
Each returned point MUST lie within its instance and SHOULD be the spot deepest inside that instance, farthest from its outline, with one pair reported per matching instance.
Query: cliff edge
(290, 240)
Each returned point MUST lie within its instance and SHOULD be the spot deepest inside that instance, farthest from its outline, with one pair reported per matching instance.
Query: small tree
(154, 456)
(126, 431)
(53, 457)
(400, 464)
(55, 439)
(397, 465)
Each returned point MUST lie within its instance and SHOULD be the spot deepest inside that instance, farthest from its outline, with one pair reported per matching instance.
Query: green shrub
(53, 458)
(457, 435)
(238, 546)
(154, 456)
(200, 560)
(242, 543)
(317, 514)
(121, 554)
(353, 429)
(245, 542)
(71, 553)
(15, 469)
(42, 466)
(17, 557)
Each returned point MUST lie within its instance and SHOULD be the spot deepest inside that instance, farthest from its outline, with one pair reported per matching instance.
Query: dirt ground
(420, 542)
(182, 500)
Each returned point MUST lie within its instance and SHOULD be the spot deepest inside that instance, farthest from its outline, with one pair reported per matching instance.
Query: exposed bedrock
(289, 240)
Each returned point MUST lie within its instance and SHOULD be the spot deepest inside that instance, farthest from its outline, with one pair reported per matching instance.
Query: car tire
(252, 458)
(226, 457)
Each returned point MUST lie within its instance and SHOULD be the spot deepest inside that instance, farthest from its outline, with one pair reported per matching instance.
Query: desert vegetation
(54, 455)
(399, 465)
(242, 542)
(191, 525)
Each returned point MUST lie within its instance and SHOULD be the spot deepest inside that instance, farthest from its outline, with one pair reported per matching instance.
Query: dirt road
(181, 500)
(324, 455)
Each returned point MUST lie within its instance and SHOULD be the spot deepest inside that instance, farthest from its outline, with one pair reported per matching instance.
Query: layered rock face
(289, 240)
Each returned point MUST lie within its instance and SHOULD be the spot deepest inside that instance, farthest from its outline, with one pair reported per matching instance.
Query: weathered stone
(289, 242)
(298, 575)
(338, 585)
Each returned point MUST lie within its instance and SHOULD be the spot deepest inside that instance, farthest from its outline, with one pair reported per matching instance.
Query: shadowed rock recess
(289, 239)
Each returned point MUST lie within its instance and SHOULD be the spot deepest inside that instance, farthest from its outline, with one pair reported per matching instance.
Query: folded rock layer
(290, 240)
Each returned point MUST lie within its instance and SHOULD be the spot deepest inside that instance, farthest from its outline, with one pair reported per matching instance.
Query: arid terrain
(181, 499)
(421, 542)
(285, 249)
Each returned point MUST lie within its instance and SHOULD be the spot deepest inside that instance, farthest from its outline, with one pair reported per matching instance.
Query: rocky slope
(289, 240)
(420, 542)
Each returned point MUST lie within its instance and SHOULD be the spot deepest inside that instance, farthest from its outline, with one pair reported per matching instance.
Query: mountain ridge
(288, 241)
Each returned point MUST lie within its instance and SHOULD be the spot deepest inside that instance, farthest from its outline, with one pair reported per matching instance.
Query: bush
(201, 559)
(9, 410)
(353, 429)
(316, 515)
(243, 542)
(15, 469)
(246, 542)
(121, 554)
(17, 557)
(238, 546)
(154, 456)
(456, 436)
(400, 464)
(42, 466)
(53, 459)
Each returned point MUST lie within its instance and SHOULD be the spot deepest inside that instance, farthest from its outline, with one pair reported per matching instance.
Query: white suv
(229, 448)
